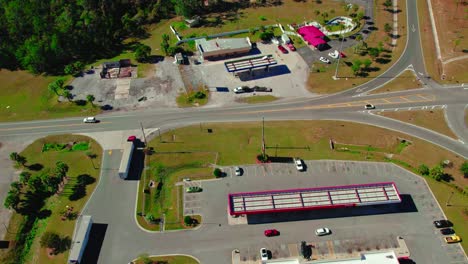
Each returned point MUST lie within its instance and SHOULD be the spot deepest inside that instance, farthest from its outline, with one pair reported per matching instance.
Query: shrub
(464, 169)
(50, 240)
(423, 169)
(82, 146)
(142, 53)
(217, 173)
(262, 158)
(262, 18)
(188, 220)
(199, 95)
(266, 36)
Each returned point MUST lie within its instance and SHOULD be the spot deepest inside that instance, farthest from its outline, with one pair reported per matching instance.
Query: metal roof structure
(313, 198)
(250, 63)
(222, 44)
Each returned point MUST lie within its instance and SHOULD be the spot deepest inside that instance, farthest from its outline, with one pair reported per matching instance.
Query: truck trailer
(126, 157)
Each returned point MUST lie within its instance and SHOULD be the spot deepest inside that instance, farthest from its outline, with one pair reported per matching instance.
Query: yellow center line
(36, 127)
(406, 99)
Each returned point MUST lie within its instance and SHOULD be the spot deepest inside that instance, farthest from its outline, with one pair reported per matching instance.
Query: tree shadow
(80, 102)
(79, 189)
(447, 177)
(383, 60)
(35, 167)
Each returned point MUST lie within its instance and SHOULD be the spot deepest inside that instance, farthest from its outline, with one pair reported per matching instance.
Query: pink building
(313, 36)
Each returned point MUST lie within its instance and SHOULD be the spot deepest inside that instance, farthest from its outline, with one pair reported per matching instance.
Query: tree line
(51, 36)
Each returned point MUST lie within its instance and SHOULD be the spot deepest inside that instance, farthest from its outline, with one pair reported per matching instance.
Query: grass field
(448, 30)
(24, 96)
(322, 82)
(258, 99)
(79, 164)
(170, 260)
(433, 120)
(306, 139)
(406, 81)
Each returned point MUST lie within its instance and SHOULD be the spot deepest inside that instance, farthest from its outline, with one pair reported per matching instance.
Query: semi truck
(126, 157)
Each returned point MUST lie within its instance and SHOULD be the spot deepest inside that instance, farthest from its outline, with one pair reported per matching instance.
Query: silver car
(322, 231)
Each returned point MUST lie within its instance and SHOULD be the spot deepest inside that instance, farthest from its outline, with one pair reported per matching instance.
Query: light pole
(335, 77)
(448, 200)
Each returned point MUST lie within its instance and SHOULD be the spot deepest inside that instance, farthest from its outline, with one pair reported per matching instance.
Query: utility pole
(335, 77)
(448, 200)
(263, 137)
(143, 131)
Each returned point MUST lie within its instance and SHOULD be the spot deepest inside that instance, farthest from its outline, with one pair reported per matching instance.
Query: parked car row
(247, 89)
(447, 230)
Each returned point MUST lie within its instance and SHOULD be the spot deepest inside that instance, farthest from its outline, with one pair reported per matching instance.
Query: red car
(291, 47)
(131, 138)
(271, 232)
(282, 49)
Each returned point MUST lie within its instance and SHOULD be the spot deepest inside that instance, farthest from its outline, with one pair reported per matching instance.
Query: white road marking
(360, 89)
(444, 106)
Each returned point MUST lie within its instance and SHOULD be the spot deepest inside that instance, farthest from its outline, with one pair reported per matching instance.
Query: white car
(324, 60)
(238, 171)
(334, 54)
(90, 119)
(264, 254)
(238, 89)
(298, 163)
(369, 106)
(322, 231)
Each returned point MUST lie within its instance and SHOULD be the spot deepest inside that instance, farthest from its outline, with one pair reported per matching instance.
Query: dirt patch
(406, 81)
(433, 120)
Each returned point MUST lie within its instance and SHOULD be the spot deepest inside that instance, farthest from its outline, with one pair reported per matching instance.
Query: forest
(45, 36)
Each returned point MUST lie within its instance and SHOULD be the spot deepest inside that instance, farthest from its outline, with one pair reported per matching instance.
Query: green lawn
(79, 164)
(257, 99)
(189, 150)
(171, 260)
(24, 96)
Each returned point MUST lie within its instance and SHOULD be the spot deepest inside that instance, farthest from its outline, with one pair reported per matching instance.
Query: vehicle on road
(126, 160)
(324, 60)
(299, 164)
(238, 171)
(263, 254)
(90, 119)
(447, 231)
(334, 54)
(322, 231)
(193, 189)
(282, 49)
(261, 89)
(291, 47)
(271, 232)
(442, 223)
(242, 89)
(452, 239)
(369, 106)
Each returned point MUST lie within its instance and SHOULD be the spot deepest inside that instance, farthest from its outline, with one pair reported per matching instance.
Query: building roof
(80, 236)
(386, 257)
(313, 198)
(312, 35)
(250, 63)
(222, 44)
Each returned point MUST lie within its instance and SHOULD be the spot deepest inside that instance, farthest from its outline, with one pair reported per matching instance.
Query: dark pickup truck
(261, 89)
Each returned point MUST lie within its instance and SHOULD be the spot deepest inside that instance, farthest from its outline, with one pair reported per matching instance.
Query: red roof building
(313, 36)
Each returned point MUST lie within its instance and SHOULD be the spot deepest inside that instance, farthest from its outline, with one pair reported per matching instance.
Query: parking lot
(353, 229)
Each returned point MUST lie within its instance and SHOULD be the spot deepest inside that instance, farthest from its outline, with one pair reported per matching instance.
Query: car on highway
(242, 89)
(298, 163)
(291, 46)
(263, 254)
(271, 232)
(369, 106)
(193, 189)
(324, 60)
(238, 171)
(334, 54)
(447, 231)
(90, 119)
(322, 231)
(282, 49)
(442, 223)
